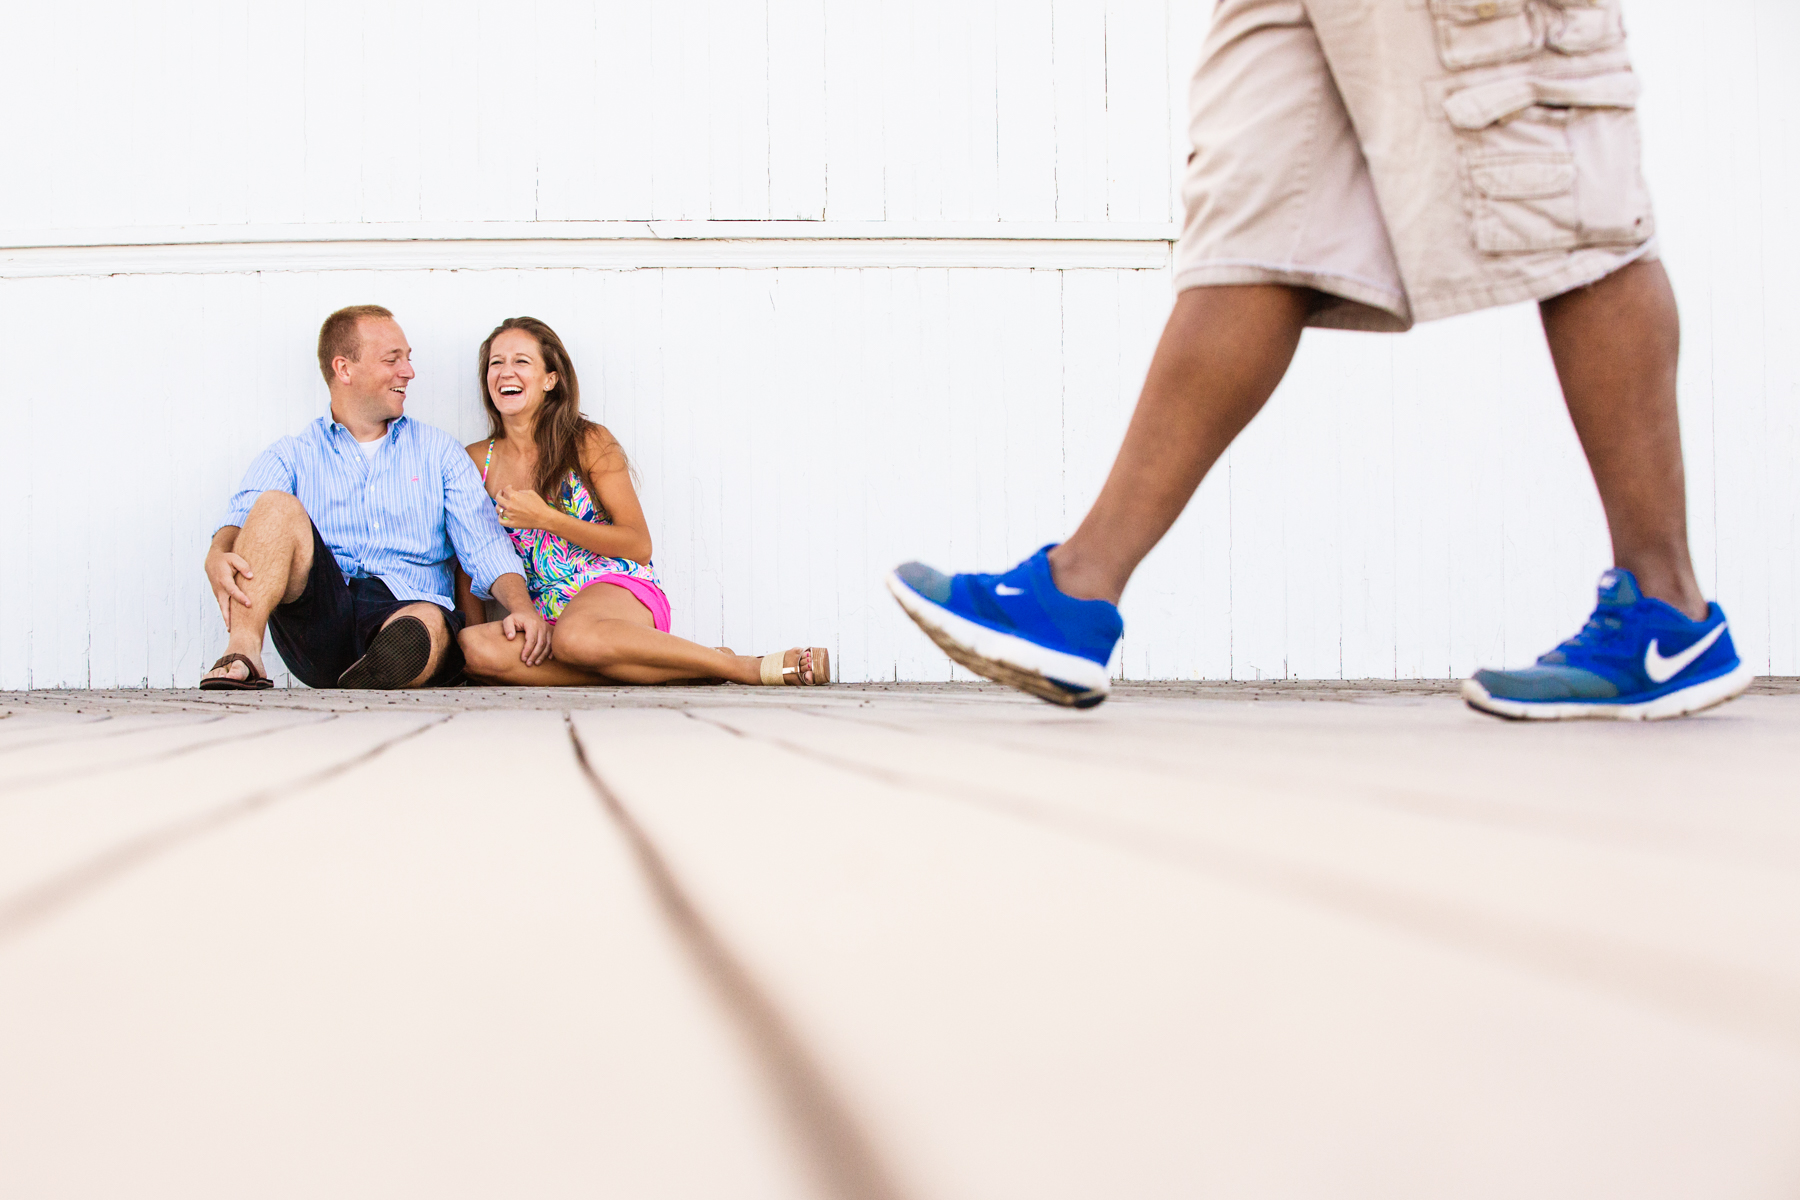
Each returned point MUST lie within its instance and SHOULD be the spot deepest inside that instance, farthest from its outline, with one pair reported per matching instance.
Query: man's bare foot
(236, 669)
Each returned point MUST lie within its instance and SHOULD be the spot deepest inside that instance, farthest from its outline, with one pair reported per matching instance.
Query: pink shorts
(647, 593)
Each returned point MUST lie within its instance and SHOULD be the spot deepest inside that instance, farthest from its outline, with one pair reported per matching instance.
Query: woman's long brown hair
(561, 428)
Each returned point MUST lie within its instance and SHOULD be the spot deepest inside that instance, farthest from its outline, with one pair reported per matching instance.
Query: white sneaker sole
(1703, 695)
(1003, 658)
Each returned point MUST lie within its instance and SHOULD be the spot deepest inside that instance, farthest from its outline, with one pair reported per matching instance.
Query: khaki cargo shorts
(1413, 159)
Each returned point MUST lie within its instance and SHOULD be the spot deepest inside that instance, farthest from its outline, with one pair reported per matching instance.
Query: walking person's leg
(1283, 230)
(1282, 190)
(1222, 354)
(1224, 350)
(1654, 646)
(1615, 345)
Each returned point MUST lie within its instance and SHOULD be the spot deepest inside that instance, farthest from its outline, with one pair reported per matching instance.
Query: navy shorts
(332, 623)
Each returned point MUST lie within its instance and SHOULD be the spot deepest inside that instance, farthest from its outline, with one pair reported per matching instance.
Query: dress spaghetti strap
(489, 462)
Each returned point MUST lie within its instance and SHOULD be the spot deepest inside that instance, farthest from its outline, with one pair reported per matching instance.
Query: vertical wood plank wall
(184, 200)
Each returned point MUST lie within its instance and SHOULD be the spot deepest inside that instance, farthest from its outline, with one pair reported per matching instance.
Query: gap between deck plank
(836, 1147)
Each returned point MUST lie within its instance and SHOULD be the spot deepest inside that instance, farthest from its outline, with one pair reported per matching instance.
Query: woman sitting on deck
(587, 556)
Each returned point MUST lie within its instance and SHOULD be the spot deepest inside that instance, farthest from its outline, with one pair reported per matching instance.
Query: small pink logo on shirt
(415, 479)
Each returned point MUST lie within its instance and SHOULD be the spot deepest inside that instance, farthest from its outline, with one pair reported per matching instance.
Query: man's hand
(222, 569)
(522, 619)
(535, 631)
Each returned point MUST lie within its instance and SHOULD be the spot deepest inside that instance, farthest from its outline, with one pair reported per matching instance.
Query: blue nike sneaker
(1016, 628)
(1636, 659)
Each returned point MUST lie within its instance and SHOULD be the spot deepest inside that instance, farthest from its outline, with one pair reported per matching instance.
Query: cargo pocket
(1552, 164)
(1577, 27)
(1479, 33)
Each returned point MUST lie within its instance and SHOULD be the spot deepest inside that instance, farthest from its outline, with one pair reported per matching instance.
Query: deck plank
(1616, 782)
(1017, 1008)
(1712, 936)
(895, 942)
(27, 726)
(442, 967)
(120, 745)
(64, 836)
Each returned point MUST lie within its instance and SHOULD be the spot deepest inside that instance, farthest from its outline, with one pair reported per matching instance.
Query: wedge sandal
(810, 660)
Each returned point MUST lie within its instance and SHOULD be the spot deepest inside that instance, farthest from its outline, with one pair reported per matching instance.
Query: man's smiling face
(375, 380)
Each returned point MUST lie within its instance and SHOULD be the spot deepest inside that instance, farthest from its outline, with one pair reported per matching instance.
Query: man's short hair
(338, 336)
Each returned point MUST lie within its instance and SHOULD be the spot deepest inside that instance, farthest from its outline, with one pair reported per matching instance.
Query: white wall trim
(507, 231)
(594, 245)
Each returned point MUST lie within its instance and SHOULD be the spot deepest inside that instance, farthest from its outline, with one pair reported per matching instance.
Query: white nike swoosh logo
(1000, 589)
(1661, 669)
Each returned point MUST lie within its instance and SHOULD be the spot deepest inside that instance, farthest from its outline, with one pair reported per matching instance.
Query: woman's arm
(629, 534)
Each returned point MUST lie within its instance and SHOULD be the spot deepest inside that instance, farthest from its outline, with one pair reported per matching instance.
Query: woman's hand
(522, 508)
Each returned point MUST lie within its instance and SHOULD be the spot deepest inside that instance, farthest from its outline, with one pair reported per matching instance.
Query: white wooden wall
(854, 283)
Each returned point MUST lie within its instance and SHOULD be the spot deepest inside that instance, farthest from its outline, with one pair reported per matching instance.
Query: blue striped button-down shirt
(399, 516)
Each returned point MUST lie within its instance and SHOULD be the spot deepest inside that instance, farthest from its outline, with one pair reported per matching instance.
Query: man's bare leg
(1615, 345)
(276, 542)
(1221, 356)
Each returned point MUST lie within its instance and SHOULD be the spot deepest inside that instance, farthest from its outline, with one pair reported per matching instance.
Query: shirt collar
(333, 428)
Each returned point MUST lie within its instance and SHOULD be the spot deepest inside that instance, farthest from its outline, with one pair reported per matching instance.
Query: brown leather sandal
(225, 683)
(776, 672)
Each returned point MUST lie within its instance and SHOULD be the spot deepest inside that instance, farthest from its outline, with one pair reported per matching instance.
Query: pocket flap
(1523, 176)
(1465, 11)
(1585, 30)
(1482, 105)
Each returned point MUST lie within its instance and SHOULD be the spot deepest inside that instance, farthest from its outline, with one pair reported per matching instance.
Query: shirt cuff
(488, 569)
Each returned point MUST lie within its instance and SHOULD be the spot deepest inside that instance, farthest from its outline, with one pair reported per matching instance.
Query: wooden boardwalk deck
(910, 942)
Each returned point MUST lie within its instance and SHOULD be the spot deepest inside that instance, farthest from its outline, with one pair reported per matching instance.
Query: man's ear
(340, 366)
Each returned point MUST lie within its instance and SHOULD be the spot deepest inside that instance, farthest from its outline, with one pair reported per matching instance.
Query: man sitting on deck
(340, 539)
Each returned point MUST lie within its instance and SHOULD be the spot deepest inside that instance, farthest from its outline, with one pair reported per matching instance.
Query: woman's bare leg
(608, 630)
(604, 636)
(489, 658)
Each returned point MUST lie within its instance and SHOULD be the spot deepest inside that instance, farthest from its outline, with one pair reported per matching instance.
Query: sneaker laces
(1603, 633)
